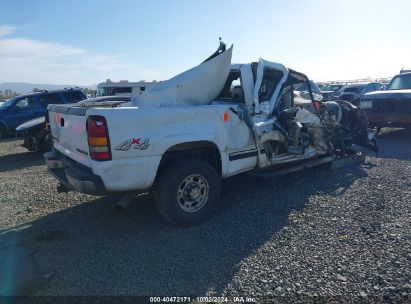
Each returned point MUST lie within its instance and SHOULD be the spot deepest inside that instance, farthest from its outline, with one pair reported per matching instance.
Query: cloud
(20, 47)
(29, 60)
(6, 29)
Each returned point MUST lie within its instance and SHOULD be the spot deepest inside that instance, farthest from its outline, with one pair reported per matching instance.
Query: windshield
(352, 89)
(332, 87)
(7, 103)
(109, 91)
(303, 87)
(105, 91)
(400, 82)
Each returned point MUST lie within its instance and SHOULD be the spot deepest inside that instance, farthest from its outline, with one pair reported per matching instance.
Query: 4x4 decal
(139, 143)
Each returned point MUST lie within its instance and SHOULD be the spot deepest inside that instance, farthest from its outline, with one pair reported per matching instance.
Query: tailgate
(68, 131)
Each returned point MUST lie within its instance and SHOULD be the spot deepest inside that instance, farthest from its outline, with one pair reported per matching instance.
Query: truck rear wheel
(47, 146)
(187, 192)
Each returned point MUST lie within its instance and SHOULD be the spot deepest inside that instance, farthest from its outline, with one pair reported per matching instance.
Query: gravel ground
(319, 235)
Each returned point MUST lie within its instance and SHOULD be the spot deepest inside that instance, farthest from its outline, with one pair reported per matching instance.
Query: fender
(36, 123)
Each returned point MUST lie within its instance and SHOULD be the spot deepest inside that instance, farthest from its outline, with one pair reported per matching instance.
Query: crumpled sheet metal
(197, 86)
(306, 117)
(315, 129)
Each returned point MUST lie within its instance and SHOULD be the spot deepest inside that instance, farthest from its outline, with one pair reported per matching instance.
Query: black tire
(47, 145)
(2, 132)
(177, 179)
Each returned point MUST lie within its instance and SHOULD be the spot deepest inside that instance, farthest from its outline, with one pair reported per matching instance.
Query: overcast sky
(85, 42)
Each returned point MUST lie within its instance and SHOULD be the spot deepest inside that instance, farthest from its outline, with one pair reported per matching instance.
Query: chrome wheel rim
(193, 193)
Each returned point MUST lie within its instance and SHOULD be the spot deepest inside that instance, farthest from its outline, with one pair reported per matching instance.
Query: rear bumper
(74, 175)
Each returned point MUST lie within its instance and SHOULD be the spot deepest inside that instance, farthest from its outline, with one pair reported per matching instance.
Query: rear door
(48, 99)
(74, 96)
(368, 88)
(270, 77)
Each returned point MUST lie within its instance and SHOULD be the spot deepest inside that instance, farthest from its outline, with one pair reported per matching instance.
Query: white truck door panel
(264, 105)
(239, 134)
(263, 66)
(240, 147)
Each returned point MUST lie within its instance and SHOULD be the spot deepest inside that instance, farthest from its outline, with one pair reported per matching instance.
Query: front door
(24, 109)
(270, 77)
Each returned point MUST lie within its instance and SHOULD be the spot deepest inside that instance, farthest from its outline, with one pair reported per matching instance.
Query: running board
(299, 167)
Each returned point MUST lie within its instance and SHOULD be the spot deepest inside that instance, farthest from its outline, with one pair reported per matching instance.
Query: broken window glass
(233, 89)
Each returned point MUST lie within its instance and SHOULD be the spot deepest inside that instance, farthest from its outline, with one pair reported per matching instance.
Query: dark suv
(36, 133)
(354, 91)
(22, 108)
(391, 107)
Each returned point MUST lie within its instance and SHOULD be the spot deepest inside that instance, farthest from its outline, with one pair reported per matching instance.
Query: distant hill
(22, 87)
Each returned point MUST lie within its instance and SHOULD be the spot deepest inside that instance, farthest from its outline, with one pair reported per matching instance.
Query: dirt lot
(318, 234)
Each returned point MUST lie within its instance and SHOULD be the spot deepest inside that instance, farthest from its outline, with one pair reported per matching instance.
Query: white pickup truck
(181, 138)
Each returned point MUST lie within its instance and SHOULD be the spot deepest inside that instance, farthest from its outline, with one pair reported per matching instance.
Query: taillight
(98, 139)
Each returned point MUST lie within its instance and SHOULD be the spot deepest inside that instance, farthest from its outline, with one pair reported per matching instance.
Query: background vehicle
(352, 92)
(328, 90)
(332, 87)
(302, 87)
(181, 144)
(22, 108)
(405, 70)
(122, 88)
(36, 133)
(391, 107)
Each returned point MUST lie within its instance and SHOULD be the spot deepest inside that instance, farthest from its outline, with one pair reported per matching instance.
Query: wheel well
(205, 150)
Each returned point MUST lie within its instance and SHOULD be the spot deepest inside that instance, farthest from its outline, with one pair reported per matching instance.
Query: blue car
(36, 134)
(22, 108)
